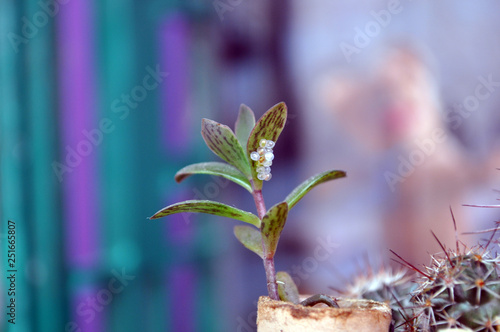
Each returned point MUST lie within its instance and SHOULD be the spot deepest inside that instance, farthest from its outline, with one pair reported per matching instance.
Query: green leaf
(271, 227)
(287, 289)
(215, 168)
(250, 238)
(244, 125)
(268, 127)
(296, 195)
(221, 140)
(209, 207)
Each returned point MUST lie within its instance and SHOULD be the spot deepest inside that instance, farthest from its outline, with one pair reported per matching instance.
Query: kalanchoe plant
(248, 153)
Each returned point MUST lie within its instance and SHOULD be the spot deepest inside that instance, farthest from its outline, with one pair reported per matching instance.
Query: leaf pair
(235, 148)
(272, 217)
(273, 222)
(264, 241)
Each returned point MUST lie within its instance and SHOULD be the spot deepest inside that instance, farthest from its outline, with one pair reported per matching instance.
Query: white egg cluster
(264, 157)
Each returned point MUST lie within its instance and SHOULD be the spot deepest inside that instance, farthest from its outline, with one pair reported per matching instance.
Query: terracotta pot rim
(344, 304)
(353, 315)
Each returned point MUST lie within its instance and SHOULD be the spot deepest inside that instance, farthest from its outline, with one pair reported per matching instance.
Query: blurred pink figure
(395, 116)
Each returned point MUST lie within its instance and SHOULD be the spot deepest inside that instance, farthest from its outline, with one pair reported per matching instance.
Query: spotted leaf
(300, 191)
(287, 289)
(271, 227)
(222, 141)
(250, 238)
(215, 168)
(244, 125)
(208, 207)
(268, 127)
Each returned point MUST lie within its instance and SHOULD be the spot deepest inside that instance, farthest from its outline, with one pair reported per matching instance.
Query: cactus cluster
(459, 290)
(385, 285)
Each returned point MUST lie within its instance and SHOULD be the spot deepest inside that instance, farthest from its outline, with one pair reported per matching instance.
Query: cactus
(386, 285)
(460, 290)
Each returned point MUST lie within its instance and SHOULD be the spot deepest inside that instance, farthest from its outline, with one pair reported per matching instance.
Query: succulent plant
(248, 155)
(460, 289)
(389, 286)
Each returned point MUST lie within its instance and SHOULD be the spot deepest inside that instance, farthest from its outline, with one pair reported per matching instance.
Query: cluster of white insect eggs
(264, 157)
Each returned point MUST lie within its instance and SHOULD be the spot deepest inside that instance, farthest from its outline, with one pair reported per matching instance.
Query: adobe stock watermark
(89, 309)
(426, 147)
(310, 264)
(222, 6)
(363, 36)
(249, 324)
(322, 252)
(471, 103)
(407, 164)
(210, 191)
(31, 27)
(121, 107)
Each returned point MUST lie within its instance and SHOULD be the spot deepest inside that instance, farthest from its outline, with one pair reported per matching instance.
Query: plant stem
(272, 286)
(259, 203)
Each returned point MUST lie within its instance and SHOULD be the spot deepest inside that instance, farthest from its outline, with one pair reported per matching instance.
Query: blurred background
(101, 103)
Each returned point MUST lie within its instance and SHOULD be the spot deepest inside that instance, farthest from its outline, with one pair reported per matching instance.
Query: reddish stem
(272, 286)
(259, 203)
